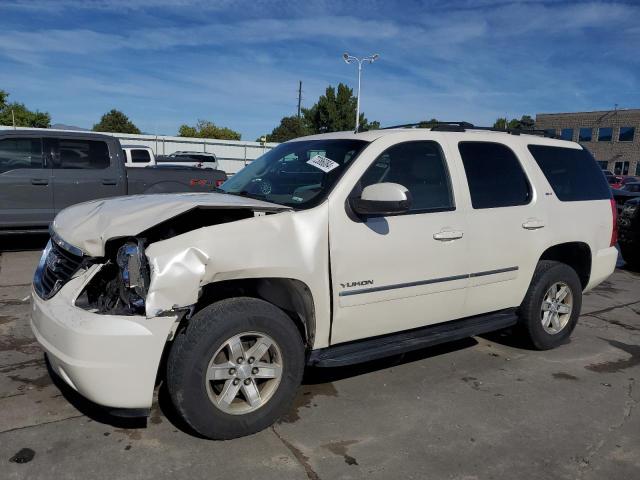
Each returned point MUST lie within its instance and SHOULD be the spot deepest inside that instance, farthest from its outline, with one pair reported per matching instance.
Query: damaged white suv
(328, 250)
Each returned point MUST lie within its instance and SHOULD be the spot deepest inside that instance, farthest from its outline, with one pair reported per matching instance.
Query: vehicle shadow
(95, 412)
(23, 242)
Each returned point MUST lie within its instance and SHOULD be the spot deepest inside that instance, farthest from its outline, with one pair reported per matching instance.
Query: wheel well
(290, 295)
(575, 254)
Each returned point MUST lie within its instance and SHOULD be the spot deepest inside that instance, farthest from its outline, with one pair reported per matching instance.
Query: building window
(626, 134)
(566, 134)
(585, 135)
(638, 169)
(621, 168)
(605, 134)
(604, 165)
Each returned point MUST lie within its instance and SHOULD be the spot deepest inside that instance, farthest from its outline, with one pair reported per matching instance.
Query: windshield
(297, 174)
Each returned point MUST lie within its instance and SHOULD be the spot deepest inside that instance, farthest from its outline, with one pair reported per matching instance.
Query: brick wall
(609, 151)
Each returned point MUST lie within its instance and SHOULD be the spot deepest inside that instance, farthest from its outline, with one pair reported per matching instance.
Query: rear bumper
(603, 263)
(111, 360)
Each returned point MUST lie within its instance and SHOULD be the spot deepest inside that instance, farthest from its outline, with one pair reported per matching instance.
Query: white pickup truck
(143, 156)
(328, 250)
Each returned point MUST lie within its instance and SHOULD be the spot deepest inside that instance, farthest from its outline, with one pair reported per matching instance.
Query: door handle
(447, 235)
(533, 224)
(109, 181)
(39, 181)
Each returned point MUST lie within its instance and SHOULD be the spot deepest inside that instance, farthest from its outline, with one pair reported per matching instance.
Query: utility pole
(299, 96)
(13, 117)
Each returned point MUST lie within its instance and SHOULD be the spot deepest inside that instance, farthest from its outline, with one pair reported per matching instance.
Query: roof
(427, 133)
(50, 132)
(619, 110)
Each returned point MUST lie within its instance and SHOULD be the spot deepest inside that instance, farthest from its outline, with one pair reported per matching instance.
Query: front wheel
(236, 368)
(549, 312)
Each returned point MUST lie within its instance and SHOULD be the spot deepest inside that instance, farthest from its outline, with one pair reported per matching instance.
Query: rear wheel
(550, 309)
(236, 368)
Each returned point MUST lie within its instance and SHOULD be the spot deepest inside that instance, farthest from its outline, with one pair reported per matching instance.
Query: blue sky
(237, 63)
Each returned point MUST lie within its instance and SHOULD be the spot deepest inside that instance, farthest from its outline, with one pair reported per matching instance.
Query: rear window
(140, 156)
(494, 175)
(82, 154)
(573, 174)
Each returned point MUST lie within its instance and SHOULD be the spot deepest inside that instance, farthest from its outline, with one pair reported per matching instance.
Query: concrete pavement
(479, 408)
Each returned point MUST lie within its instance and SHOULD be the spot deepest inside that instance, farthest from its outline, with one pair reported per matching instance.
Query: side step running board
(383, 346)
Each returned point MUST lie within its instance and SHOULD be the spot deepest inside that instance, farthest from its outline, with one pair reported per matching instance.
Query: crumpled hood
(89, 225)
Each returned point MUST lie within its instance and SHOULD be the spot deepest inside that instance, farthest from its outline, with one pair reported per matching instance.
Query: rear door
(26, 191)
(505, 224)
(83, 169)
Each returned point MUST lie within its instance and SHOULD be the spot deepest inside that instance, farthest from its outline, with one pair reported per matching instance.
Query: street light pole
(350, 59)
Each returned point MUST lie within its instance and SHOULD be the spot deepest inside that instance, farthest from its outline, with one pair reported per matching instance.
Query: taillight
(219, 182)
(614, 218)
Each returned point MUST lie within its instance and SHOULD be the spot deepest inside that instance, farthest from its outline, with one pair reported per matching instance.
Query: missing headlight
(120, 287)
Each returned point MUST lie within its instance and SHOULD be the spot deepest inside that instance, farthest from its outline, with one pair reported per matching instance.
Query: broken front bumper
(111, 360)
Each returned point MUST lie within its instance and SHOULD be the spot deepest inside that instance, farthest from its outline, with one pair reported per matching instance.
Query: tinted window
(140, 156)
(20, 153)
(494, 175)
(626, 134)
(418, 166)
(573, 174)
(566, 134)
(605, 134)
(82, 154)
(585, 135)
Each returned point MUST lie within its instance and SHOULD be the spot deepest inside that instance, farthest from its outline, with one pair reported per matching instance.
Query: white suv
(328, 250)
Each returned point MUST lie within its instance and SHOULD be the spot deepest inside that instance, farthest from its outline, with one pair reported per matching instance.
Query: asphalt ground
(480, 408)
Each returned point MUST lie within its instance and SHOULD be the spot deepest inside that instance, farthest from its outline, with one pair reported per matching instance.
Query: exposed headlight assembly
(134, 274)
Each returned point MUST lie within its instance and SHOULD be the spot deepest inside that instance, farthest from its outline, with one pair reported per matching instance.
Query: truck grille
(56, 267)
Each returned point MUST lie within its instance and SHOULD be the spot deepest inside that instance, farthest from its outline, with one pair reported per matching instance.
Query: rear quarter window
(572, 173)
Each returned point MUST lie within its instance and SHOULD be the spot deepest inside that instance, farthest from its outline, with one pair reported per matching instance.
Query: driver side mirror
(382, 199)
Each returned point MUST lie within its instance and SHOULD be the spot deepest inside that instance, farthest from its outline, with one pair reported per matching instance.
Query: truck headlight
(629, 210)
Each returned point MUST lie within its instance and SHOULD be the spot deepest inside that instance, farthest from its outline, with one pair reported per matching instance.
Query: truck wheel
(236, 368)
(549, 312)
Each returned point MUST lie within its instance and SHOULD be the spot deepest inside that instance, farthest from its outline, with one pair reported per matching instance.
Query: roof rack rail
(463, 126)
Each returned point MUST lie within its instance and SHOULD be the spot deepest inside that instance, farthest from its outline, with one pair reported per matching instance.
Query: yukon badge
(361, 283)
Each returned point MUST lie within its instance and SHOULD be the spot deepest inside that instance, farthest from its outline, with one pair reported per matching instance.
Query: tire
(546, 332)
(207, 345)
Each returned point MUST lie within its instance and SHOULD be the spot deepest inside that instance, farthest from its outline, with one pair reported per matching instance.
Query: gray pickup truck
(42, 172)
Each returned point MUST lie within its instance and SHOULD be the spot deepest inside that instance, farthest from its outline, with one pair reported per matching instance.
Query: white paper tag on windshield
(323, 163)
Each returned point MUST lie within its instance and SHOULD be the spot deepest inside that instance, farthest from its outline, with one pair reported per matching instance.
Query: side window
(572, 173)
(140, 156)
(421, 168)
(82, 154)
(18, 153)
(494, 175)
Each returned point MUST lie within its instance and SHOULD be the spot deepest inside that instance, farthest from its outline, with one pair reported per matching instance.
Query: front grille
(57, 265)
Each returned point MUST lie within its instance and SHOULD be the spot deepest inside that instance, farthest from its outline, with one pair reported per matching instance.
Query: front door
(26, 192)
(82, 170)
(399, 272)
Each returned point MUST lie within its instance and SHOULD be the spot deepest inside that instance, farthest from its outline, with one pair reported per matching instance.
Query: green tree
(524, 123)
(21, 114)
(206, 129)
(290, 127)
(335, 111)
(116, 122)
(428, 123)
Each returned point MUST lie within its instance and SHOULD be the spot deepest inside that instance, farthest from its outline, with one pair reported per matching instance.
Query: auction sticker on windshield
(323, 163)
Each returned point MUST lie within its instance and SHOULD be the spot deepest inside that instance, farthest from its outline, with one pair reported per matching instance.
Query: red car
(619, 181)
